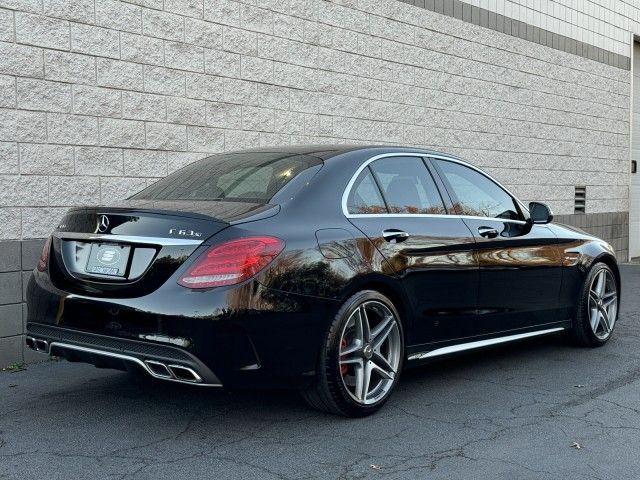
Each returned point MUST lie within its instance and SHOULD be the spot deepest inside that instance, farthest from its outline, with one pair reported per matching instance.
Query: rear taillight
(44, 256)
(232, 262)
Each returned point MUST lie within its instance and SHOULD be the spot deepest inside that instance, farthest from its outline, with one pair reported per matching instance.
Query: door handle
(487, 232)
(394, 236)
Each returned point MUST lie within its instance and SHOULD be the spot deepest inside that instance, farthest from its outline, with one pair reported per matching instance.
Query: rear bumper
(159, 361)
(241, 337)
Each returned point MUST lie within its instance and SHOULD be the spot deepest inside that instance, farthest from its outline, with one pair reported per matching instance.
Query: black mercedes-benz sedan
(323, 268)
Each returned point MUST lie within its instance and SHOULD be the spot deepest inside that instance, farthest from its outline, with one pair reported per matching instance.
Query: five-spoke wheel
(370, 352)
(361, 359)
(603, 304)
(597, 311)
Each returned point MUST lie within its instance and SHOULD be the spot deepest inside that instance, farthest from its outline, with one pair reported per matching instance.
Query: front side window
(407, 186)
(476, 194)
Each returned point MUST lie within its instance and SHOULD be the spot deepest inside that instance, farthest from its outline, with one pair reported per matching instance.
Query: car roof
(327, 151)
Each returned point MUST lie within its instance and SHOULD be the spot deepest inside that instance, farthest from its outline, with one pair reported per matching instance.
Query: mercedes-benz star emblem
(367, 351)
(103, 223)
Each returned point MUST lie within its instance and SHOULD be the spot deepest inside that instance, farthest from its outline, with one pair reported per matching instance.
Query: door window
(476, 194)
(407, 186)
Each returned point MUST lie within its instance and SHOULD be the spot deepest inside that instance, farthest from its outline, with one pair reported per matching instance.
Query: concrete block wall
(101, 97)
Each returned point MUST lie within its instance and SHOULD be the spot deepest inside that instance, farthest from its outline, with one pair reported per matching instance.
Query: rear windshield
(249, 177)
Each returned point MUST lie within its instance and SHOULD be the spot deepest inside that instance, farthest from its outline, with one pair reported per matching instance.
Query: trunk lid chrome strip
(164, 241)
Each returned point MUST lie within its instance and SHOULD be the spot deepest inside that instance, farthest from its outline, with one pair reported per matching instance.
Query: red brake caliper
(343, 368)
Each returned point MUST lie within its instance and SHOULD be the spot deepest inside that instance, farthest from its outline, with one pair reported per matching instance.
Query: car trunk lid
(109, 250)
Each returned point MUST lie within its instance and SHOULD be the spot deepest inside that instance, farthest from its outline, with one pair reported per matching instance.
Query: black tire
(581, 333)
(328, 392)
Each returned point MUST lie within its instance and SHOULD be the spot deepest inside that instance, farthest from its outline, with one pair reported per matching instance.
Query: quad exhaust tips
(172, 372)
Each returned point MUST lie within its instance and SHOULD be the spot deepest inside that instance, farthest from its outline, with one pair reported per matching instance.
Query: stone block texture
(99, 98)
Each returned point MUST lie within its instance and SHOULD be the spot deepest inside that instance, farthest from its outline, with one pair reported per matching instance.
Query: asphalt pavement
(539, 409)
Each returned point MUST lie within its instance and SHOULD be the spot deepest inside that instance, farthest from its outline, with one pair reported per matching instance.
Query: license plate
(108, 259)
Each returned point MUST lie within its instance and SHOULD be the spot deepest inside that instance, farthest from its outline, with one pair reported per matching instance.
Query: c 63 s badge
(182, 232)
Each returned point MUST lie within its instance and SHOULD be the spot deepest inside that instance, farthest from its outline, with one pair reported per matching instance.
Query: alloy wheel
(370, 352)
(603, 304)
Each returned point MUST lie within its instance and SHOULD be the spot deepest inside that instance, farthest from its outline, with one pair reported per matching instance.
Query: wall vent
(580, 200)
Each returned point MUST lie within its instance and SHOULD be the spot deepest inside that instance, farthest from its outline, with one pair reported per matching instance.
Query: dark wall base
(17, 260)
(613, 227)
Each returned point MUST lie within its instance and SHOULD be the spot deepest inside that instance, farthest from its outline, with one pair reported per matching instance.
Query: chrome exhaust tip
(184, 374)
(172, 372)
(37, 344)
(158, 369)
(42, 345)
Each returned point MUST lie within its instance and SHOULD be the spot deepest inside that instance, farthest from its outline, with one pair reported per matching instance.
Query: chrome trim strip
(479, 344)
(429, 215)
(179, 341)
(126, 239)
(127, 358)
(345, 194)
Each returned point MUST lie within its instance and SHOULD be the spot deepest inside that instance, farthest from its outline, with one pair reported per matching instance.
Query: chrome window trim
(126, 238)
(431, 215)
(461, 347)
(365, 164)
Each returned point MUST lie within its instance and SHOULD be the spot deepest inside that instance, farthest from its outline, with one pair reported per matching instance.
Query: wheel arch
(610, 261)
(390, 288)
(593, 251)
(582, 332)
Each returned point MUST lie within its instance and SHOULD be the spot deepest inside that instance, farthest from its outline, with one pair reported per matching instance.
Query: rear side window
(407, 186)
(476, 194)
(250, 177)
(365, 197)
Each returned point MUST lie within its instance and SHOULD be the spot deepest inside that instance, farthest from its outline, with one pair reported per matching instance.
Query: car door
(520, 264)
(395, 202)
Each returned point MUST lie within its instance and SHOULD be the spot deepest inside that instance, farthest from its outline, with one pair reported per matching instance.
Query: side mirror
(539, 213)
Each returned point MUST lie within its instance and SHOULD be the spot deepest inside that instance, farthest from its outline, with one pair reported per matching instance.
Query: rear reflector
(44, 256)
(232, 262)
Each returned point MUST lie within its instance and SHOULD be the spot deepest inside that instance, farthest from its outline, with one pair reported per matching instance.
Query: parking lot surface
(534, 410)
